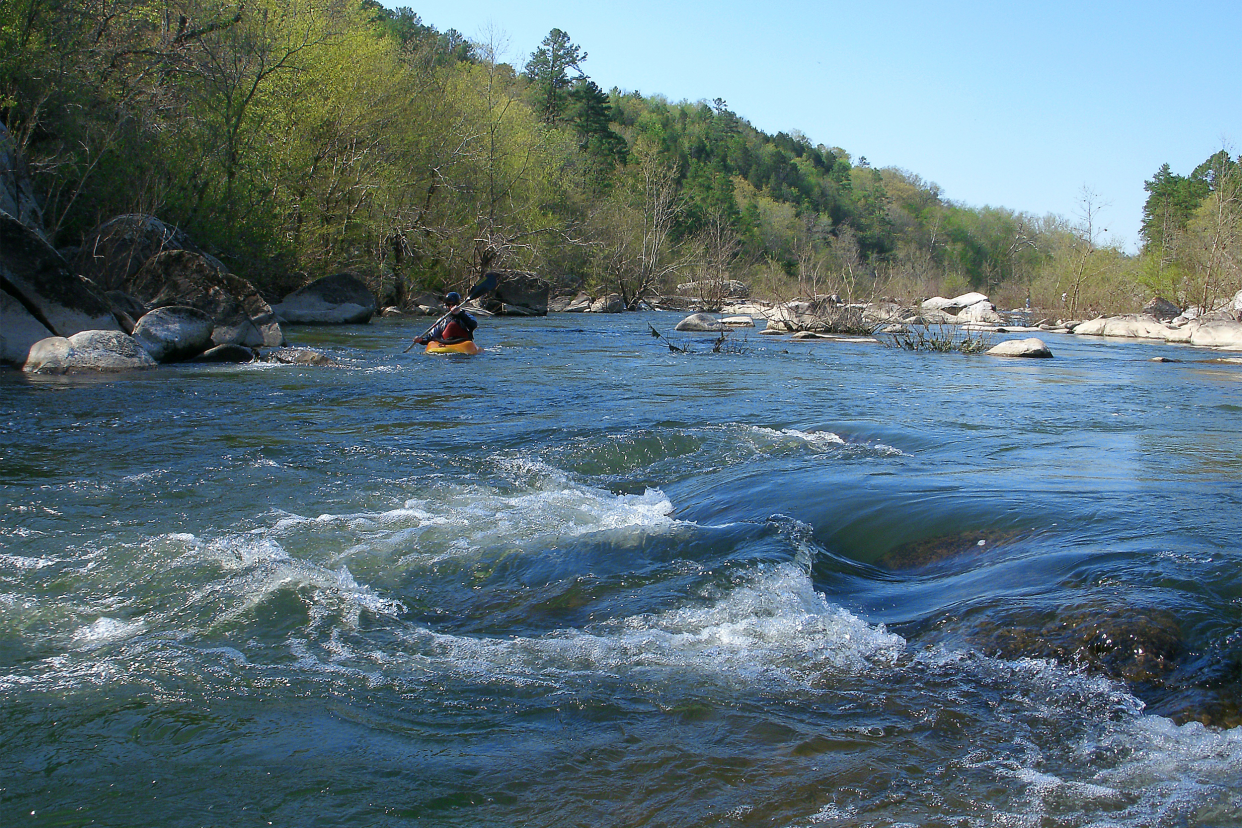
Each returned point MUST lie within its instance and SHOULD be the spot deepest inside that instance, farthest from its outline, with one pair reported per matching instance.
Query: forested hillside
(298, 139)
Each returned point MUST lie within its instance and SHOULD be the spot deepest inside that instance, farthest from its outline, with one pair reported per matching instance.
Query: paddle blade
(486, 285)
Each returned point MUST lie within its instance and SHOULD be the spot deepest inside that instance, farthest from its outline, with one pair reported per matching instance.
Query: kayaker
(456, 326)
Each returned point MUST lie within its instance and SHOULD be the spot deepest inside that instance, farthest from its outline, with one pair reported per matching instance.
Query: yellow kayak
(467, 347)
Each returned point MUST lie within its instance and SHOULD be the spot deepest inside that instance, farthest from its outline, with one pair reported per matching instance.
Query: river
(581, 580)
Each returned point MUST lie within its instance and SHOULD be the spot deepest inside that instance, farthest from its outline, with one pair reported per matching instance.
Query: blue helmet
(452, 298)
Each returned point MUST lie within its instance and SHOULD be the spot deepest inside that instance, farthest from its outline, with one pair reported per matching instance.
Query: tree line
(294, 138)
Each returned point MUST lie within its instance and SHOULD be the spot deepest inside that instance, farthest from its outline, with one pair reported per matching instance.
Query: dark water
(583, 581)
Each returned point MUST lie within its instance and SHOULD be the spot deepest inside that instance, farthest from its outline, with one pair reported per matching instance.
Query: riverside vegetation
(293, 141)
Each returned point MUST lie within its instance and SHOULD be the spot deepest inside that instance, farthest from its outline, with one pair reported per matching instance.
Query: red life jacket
(453, 331)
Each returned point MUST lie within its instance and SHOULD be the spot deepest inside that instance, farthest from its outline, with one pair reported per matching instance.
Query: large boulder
(1031, 348)
(980, 312)
(1135, 326)
(34, 274)
(1162, 309)
(955, 305)
(1218, 334)
(612, 303)
(18, 331)
(87, 351)
(340, 299)
(519, 294)
(1091, 327)
(1129, 325)
(174, 333)
(114, 253)
(181, 277)
(577, 303)
(17, 199)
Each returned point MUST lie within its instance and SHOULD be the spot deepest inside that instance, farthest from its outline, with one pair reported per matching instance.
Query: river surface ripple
(581, 580)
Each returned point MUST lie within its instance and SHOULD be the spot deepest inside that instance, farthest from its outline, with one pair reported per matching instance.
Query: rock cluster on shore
(827, 316)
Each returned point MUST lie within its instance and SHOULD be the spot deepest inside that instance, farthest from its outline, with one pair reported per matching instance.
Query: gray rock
(612, 303)
(181, 277)
(174, 333)
(1129, 325)
(1092, 327)
(87, 351)
(114, 253)
(36, 275)
(578, 303)
(340, 299)
(1217, 334)
(700, 322)
(955, 305)
(1032, 347)
(17, 198)
(519, 294)
(18, 331)
(984, 312)
(125, 308)
(299, 356)
(1162, 309)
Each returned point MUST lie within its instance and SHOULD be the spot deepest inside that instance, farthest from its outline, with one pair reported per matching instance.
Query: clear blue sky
(1004, 104)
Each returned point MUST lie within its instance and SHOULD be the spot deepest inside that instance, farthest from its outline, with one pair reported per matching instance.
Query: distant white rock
(612, 303)
(954, 305)
(1218, 334)
(984, 312)
(1033, 348)
(700, 322)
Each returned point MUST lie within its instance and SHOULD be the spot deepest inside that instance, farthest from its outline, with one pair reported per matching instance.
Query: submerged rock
(1129, 643)
(299, 356)
(941, 549)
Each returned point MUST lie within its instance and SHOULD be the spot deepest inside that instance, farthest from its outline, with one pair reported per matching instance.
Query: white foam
(106, 630)
(820, 440)
(773, 632)
(21, 562)
(245, 551)
(814, 438)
